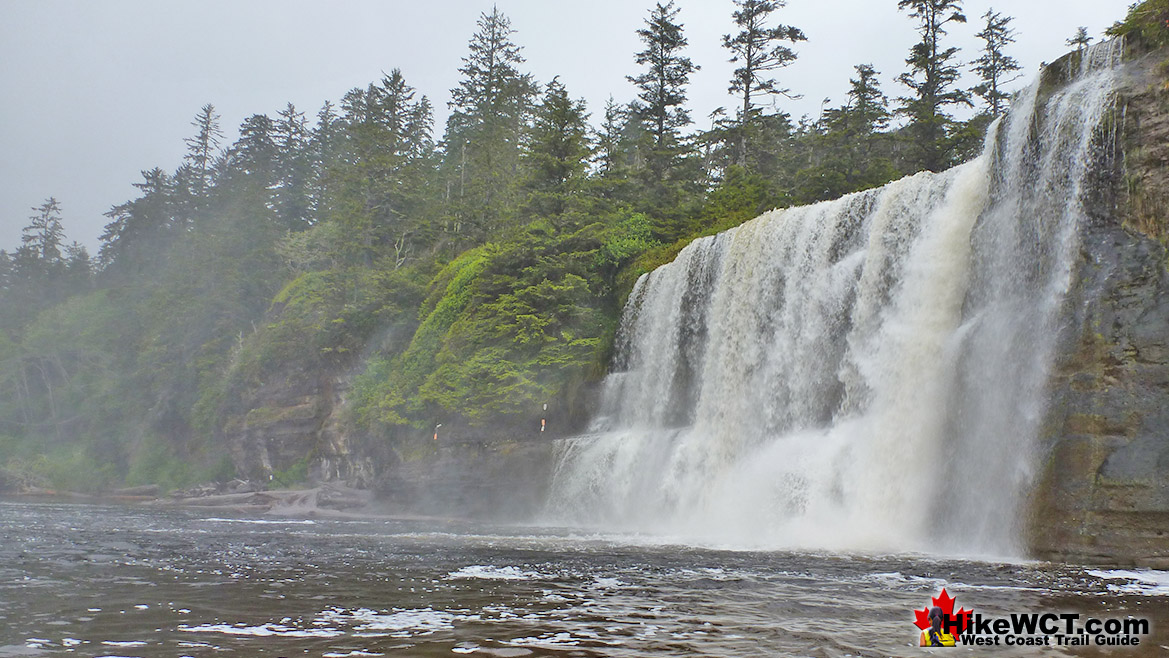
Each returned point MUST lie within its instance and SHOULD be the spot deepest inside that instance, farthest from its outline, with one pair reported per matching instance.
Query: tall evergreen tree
(140, 231)
(867, 104)
(78, 267)
(759, 50)
(846, 149)
(609, 138)
(323, 146)
(994, 64)
(294, 169)
(1080, 39)
(619, 152)
(662, 88)
(558, 153)
(490, 116)
(380, 178)
(41, 241)
(202, 149)
(932, 77)
(38, 266)
(252, 159)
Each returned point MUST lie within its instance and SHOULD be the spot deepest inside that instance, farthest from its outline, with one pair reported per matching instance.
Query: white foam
(264, 630)
(488, 572)
(262, 521)
(1148, 582)
(557, 640)
(130, 643)
(896, 578)
(400, 623)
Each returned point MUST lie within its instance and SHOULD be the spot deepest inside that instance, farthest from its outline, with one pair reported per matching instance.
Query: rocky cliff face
(294, 424)
(1104, 492)
(291, 423)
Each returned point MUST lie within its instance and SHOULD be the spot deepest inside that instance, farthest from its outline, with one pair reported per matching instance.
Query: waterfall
(860, 374)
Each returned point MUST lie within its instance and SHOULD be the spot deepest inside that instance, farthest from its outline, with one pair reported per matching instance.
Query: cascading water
(867, 373)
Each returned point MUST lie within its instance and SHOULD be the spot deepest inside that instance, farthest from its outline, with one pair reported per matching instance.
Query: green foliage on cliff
(1147, 23)
(505, 327)
(382, 392)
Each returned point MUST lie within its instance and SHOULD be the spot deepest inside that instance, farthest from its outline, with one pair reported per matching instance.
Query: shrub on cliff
(1147, 23)
(505, 328)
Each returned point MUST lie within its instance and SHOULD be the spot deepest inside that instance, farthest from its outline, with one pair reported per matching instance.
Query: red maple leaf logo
(946, 603)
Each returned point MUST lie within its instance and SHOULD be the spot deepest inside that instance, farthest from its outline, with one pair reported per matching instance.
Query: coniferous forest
(462, 275)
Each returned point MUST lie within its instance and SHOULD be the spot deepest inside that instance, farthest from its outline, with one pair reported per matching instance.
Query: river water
(96, 580)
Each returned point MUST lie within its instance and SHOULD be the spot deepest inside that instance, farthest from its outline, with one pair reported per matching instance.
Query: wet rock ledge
(1104, 493)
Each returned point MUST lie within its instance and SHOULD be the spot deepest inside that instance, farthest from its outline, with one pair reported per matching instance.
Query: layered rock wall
(1103, 496)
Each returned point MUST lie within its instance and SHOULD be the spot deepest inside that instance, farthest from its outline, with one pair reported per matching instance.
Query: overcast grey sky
(94, 91)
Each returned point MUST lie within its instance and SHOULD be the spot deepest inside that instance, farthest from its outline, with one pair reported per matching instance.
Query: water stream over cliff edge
(868, 373)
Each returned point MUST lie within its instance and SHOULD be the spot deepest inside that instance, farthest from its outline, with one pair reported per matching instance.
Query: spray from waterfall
(862, 374)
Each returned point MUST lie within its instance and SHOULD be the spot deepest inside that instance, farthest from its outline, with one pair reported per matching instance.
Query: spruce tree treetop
(203, 148)
(324, 134)
(558, 152)
(490, 70)
(42, 238)
(994, 64)
(559, 149)
(609, 137)
(293, 169)
(376, 184)
(662, 87)
(661, 162)
(932, 76)
(254, 154)
(759, 49)
(489, 122)
(868, 105)
(1080, 39)
(139, 230)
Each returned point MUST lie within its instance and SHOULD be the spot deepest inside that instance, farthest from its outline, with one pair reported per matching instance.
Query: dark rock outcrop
(293, 420)
(1104, 493)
